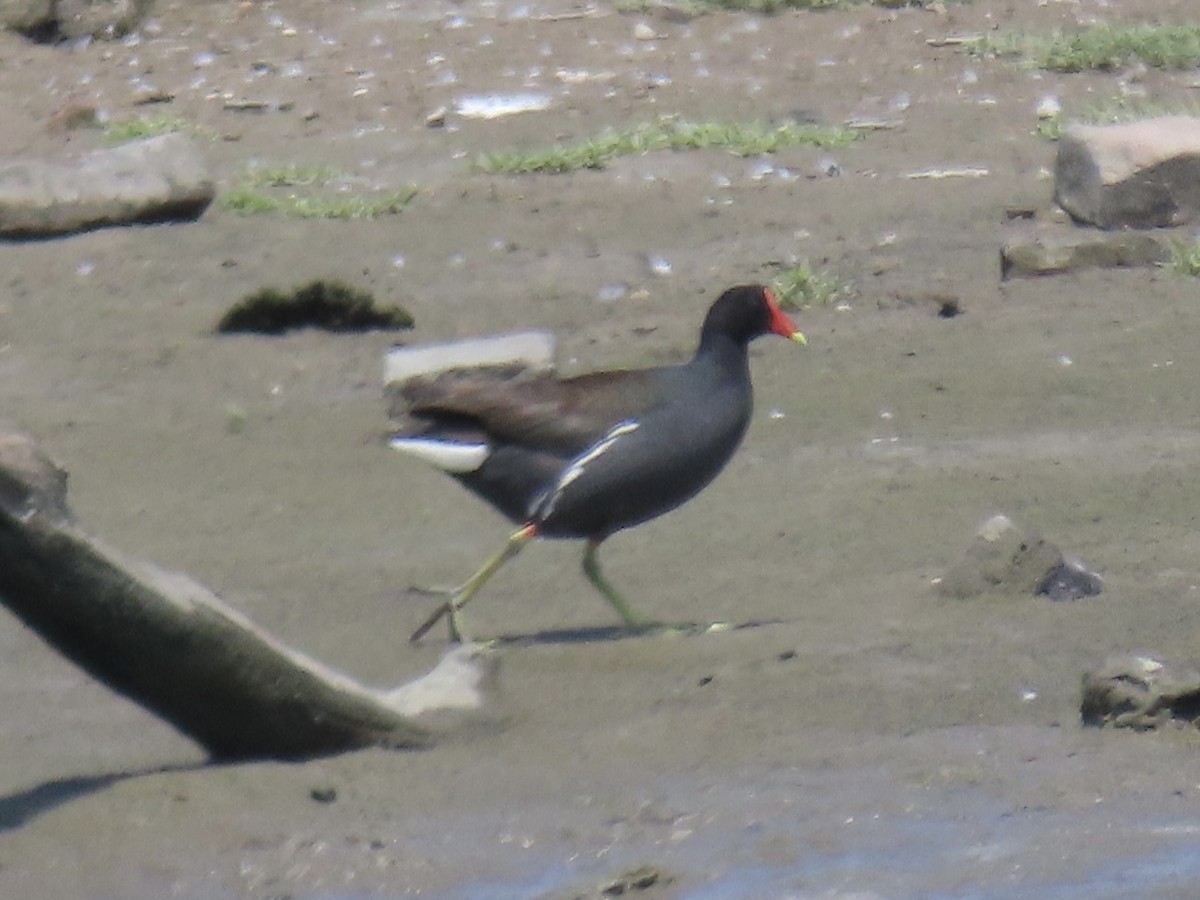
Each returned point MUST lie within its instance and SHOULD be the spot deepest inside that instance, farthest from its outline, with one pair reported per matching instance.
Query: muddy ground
(867, 738)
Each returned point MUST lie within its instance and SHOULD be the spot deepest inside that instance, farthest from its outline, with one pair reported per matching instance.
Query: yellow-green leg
(591, 569)
(459, 597)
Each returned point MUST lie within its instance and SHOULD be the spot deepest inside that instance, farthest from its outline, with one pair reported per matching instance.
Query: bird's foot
(454, 625)
(451, 612)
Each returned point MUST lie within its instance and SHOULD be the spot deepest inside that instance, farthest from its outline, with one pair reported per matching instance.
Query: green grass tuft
(264, 190)
(1099, 48)
(802, 285)
(1185, 258)
(771, 6)
(291, 175)
(122, 131)
(596, 153)
(1113, 112)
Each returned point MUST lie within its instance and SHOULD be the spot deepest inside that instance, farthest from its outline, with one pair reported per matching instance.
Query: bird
(587, 456)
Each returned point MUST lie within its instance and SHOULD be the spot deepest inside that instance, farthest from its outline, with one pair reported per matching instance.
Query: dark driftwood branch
(174, 647)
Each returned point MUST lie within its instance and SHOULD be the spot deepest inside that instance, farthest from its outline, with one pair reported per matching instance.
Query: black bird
(588, 456)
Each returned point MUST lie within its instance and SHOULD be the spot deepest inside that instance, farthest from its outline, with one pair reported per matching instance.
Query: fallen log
(174, 647)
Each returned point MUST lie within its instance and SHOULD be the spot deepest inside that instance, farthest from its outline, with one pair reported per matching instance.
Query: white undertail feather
(449, 456)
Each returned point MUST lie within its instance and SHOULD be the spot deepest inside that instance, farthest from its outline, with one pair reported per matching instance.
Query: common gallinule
(585, 457)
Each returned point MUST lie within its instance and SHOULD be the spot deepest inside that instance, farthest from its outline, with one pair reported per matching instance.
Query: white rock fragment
(1049, 107)
(761, 169)
(495, 106)
(610, 293)
(532, 349)
(660, 266)
(828, 166)
(937, 173)
(643, 32)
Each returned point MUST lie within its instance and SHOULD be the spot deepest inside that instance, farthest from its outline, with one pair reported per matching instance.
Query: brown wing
(544, 412)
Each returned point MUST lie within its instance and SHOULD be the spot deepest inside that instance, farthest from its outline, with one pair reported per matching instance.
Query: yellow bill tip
(798, 337)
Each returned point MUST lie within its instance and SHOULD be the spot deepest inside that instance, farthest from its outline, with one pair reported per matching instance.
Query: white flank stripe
(580, 464)
(448, 456)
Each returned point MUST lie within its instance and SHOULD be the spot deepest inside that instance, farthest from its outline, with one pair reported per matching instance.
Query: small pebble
(324, 794)
(610, 293)
(829, 167)
(1049, 107)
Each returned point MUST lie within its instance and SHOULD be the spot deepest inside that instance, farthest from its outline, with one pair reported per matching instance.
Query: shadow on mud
(600, 633)
(22, 807)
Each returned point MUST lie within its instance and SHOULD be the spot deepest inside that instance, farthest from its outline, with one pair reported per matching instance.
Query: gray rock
(1052, 252)
(30, 17)
(527, 350)
(158, 179)
(30, 482)
(59, 19)
(1005, 558)
(1140, 692)
(1140, 174)
(101, 19)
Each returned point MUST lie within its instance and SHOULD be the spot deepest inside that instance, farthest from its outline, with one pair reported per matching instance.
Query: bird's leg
(460, 596)
(591, 569)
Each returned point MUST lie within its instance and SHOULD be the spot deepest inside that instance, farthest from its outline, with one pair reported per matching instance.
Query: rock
(1142, 174)
(1070, 580)
(33, 18)
(158, 179)
(30, 482)
(525, 350)
(102, 19)
(1006, 558)
(644, 32)
(640, 879)
(1140, 692)
(1052, 252)
(53, 20)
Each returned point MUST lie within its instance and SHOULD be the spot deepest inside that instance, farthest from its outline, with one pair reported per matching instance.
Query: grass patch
(310, 192)
(122, 131)
(772, 6)
(596, 153)
(1185, 258)
(292, 175)
(1113, 112)
(802, 285)
(1101, 48)
(769, 6)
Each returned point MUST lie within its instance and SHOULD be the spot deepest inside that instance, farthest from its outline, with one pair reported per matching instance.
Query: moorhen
(585, 457)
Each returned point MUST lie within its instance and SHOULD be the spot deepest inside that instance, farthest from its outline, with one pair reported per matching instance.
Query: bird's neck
(724, 354)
